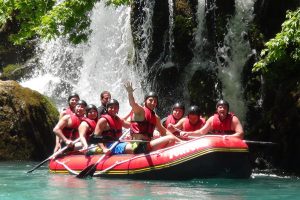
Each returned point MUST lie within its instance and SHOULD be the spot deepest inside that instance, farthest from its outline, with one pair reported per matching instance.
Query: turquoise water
(16, 184)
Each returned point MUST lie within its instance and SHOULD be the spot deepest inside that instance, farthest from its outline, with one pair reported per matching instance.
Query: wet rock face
(26, 122)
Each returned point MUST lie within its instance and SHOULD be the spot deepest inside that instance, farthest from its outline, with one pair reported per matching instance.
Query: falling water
(235, 52)
(103, 63)
(145, 32)
(171, 29)
(198, 60)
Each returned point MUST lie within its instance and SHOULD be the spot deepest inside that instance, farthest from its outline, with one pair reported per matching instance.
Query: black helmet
(90, 107)
(194, 110)
(178, 105)
(73, 95)
(112, 102)
(151, 94)
(222, 102)
(81, 102)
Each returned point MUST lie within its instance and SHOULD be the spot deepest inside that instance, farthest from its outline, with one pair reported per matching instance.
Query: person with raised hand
(144, 121)
(222, 122)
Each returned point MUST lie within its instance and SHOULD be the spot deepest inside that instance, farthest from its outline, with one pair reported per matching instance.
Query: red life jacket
(145, 127)
(92, 125)
(187, 126)
(222, 127)
(171, 120)
(115, 124)
(71, 133)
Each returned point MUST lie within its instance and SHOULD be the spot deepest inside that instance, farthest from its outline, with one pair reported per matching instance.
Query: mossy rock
(11, 72)
(26, 122)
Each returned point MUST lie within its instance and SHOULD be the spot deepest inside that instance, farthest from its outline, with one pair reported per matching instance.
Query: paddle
(90, 170)
(52, 156)
(246, 141)
(259, 142)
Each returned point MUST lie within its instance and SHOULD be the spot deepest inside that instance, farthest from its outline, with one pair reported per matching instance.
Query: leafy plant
(48, 18)
(285, 45)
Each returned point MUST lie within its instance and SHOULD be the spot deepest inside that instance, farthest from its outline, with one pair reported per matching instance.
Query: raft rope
(130, 159)
(109, 168)
(67, 168)
(124, 161)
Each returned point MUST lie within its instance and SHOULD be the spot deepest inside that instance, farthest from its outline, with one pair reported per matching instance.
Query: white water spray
(145, 36)
(103, 63)
(235, 52)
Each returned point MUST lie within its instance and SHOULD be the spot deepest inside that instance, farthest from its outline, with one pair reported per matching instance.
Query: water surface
(16, 184)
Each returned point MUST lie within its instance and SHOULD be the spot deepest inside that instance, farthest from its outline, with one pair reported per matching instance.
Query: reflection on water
(15, 183)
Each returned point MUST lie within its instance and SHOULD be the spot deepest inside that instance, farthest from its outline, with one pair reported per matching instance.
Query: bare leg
(128, 149)
(162, 142)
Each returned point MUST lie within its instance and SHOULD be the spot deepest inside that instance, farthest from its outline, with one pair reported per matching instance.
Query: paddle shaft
(90, 170)
(246, 141)
(52, 156)
(259, 142)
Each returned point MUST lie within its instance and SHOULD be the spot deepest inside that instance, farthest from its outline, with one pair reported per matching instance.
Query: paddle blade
(88, 171)
(37, 166)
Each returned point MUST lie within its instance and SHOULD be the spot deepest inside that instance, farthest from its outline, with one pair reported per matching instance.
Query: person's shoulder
(101, 107)
(235, 118)
(210, 119)
(182, 120)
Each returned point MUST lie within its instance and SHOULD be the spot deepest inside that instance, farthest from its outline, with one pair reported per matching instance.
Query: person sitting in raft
(72, 101)
(143, 122)
(222, 122)
(88, 125)
(178, 110)
(67, 127)
(193, 121)
(105, 96)
(177, 113)
(110, 126)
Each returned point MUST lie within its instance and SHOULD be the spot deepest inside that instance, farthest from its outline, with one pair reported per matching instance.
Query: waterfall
(145, 32)
(199, 60)
(171, 29)
(103, 63)
(235, 52)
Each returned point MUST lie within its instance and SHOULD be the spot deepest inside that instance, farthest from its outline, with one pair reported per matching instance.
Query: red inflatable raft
(203, 157)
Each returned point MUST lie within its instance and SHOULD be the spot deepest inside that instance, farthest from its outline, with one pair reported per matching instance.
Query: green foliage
(49, 19)
(119, 2)
(285, 45)
(69, 18)
(25, 15)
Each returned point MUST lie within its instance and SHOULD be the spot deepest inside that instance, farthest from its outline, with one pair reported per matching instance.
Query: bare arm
(125, 124)
(176, 127)
(163, 131)
(202, 131)
(136, 108)
(63, 113)
(62, 123)
(83, 128)
(237, 127)
(100, 126)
